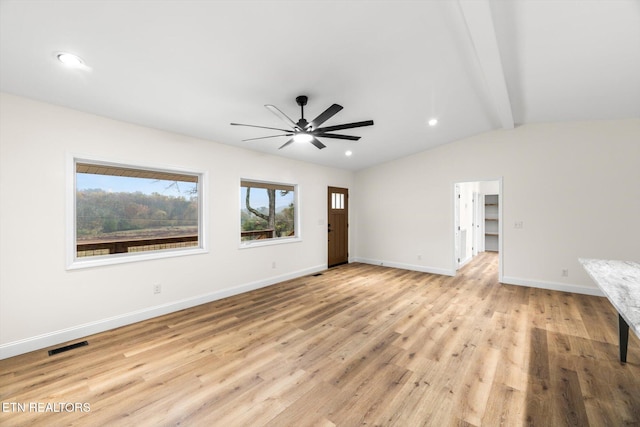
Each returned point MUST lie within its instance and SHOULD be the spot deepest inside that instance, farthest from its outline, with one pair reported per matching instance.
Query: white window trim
(74, 263)
(282, 240)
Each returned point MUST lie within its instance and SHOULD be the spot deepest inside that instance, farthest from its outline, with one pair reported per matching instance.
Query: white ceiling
(192, 67)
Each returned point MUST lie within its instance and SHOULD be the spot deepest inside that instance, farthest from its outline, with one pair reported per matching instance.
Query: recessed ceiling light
(348, 153)
(433, 122)
(70, 60)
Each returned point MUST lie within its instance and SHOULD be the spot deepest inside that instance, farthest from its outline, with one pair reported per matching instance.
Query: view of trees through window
(127, 210)
(267, 211)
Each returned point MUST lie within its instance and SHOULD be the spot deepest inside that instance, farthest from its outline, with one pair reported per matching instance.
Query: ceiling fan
(304, 131)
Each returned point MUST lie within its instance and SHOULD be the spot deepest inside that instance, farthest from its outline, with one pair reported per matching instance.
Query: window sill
(98, 261)
(269, 242)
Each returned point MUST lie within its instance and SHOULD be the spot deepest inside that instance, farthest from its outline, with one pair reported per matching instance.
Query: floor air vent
(317, 274)
(67, 348)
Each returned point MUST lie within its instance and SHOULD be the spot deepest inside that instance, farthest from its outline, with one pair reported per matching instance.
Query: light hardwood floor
(357, 345)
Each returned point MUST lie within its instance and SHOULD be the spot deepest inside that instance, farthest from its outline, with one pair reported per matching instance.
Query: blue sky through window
(117, 184)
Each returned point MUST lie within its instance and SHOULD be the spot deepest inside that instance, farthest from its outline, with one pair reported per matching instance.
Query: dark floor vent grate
(67, 348)
(317, 274)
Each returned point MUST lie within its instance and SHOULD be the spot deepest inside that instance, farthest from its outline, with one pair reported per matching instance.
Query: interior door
(338, 226)
(476, 224)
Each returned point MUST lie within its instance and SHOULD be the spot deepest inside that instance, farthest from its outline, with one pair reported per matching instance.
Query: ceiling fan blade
(337, 136)
(326, 115)
(265, 137)
(282, 116)
(345, 126)
(285, 144)
(317, 143)
(261, 127)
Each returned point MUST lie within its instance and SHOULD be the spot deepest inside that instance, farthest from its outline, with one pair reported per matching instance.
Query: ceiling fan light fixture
(348, 153)
(303, 131)
(302, 137)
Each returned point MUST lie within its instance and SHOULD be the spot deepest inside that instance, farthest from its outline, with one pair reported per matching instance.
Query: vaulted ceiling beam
(477, 15)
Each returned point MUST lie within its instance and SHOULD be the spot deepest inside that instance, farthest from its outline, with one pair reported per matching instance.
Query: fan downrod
(302, 101)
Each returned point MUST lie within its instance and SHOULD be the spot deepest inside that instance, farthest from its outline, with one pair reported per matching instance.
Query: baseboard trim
(464, 262)
(39, 342)
(412, 267)
(552, 286)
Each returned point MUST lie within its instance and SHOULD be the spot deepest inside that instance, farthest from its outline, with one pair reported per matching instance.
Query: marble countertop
(620, 282)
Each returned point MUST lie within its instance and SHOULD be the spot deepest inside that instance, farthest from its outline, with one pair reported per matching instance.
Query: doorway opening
(477, 221)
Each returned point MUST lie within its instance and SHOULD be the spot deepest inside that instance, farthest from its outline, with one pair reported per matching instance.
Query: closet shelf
(491, 222)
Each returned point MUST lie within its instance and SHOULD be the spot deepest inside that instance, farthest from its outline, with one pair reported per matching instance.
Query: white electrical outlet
(518, 224)
(565, 272)
(157, 288)
(273, 264)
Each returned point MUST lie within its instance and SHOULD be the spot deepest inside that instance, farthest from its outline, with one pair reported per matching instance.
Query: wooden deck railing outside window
(257, 234)
(96, 247)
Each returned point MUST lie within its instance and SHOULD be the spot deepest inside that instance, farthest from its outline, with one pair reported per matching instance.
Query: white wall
(489, 187)
(42, 304)
(575, 186)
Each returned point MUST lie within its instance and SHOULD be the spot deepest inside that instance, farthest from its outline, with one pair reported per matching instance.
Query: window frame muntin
(73, 262)
(273, 240)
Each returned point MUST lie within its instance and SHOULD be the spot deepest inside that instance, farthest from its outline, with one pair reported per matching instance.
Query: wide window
(268, 212)
(124, 212)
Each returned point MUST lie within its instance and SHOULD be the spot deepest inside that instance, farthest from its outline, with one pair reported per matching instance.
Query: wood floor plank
(312, 408)
(479, 379)
(357, 345)
(506, 407)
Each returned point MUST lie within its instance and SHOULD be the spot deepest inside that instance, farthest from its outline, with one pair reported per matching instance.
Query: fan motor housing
(302, 100)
